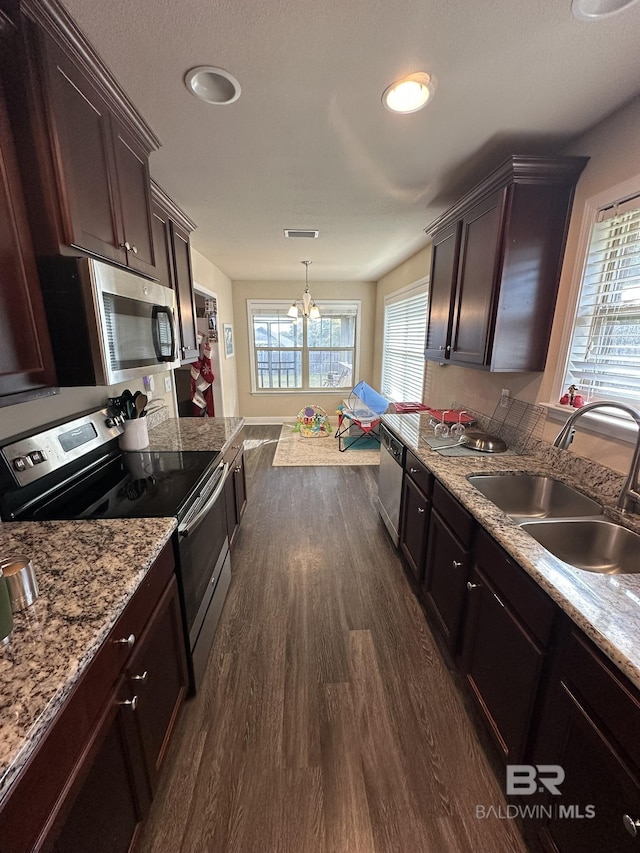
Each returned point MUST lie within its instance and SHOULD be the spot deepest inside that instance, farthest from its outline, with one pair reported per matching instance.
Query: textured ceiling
(309, 145)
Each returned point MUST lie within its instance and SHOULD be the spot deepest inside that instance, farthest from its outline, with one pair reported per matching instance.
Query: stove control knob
(36, 457)
(112, 422)
(20, 463)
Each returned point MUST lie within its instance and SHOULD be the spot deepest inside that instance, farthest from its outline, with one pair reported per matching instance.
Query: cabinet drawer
(458, 519)
(612, 699)
(419, 473)
(534, 608)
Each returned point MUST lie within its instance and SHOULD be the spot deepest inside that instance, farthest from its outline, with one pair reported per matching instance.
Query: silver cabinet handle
(126, 245)
(238, 469)
(420, 509)
(134, 249)
(141, 678)
(456, 564)
(414, 470)
(130, 703)
(471, 586)
(126, 641)
(498, 600)
(631, 825)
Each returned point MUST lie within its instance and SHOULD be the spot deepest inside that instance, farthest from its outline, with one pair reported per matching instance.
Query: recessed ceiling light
(596, 10)
(409, 94)
(213, 85)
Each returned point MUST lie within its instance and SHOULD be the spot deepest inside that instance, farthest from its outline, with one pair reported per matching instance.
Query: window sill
(298, 392)
(620, 427)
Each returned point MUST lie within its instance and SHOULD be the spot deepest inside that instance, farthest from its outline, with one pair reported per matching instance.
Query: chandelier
(309, 307)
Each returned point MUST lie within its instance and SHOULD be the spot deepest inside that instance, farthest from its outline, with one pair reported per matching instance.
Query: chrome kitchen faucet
(629, 497)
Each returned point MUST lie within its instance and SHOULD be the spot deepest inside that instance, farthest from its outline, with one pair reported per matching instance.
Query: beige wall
(411, 270)
(214, 280)
(287, 405)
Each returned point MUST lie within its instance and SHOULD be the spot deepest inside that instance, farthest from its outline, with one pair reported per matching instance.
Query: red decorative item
(578, 401)
(202, 384)
(451, 416)
(565, 400)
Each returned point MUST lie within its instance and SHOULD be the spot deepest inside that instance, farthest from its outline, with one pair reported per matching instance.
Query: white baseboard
(285, 419)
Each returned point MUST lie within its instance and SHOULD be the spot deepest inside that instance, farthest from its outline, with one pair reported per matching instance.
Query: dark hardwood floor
(327, 720)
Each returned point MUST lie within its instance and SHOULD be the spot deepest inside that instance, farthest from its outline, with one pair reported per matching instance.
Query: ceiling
(309, 145)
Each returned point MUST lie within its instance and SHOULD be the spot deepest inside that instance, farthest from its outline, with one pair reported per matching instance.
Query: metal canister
(6, 615)
(21, 581)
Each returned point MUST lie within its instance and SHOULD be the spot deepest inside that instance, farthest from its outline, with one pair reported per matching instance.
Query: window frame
(421, 286)
(611, 425)
(256, 305)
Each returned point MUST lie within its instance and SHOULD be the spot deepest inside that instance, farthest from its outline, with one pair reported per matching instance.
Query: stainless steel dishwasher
(392, 454)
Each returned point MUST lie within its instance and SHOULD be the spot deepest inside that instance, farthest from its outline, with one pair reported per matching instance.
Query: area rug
(296, 450)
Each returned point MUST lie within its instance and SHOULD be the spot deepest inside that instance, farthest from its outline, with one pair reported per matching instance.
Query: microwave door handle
(186, 529)
(157, 311)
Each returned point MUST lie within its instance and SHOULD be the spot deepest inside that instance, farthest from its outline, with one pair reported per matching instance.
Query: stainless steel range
(75, 469)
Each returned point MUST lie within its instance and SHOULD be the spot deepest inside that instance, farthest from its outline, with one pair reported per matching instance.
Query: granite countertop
(87, 571)
(605, 607)
(194, 433)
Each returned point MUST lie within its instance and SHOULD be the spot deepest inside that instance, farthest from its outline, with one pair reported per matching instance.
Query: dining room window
(302, 354)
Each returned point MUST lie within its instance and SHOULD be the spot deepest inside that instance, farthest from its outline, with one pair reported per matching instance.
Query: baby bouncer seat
(359, 416)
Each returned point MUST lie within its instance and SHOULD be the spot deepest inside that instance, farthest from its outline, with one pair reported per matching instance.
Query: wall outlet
(504, 398)
(167, 384)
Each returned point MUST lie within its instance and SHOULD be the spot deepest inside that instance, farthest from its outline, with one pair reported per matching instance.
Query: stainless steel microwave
(107, 325)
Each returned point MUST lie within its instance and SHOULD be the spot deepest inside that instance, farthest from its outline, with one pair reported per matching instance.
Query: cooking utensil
(139, 402)
(485, 442)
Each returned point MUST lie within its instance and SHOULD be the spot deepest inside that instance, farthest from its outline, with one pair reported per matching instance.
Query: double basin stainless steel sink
(564, 521)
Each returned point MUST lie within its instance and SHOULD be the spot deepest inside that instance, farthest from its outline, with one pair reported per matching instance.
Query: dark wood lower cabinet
(589, 728)
(114, 795)
(414, 527)
(235, 489)
(502, 664)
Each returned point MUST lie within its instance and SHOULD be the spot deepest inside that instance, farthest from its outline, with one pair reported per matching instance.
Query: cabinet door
(184, 295)
(132, 168)
(597, 780)
(110, 797)
(240, 485)
(81, 139)
(161, 229)
(502, 664)
(480, 257)
(444, 268)
(26, 362)
(157, 674)
(414, 527)
(445, 579)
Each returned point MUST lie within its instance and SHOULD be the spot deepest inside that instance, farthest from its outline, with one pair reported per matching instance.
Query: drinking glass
(441, 430)
(457, 430)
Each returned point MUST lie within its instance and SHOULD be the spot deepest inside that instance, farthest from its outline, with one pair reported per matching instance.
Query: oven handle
(204, 509)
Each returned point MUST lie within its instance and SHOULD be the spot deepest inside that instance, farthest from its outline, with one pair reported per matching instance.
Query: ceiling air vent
(300, 232)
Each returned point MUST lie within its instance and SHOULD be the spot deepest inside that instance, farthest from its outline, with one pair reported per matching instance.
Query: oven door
(203, 556)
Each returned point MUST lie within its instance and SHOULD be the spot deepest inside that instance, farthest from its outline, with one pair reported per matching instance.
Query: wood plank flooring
(327, 721)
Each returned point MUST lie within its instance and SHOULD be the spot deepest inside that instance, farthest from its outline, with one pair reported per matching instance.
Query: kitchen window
(604, 351)
(303, 354)
(405, 323)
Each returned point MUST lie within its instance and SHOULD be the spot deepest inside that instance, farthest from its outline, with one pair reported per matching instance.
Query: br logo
(526, 779)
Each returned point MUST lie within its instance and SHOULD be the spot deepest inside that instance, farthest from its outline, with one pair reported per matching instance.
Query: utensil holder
(135, 435)
(6, 615)
(22, 583)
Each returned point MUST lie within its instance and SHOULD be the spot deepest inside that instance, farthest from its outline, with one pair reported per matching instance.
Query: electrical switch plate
(167, 384)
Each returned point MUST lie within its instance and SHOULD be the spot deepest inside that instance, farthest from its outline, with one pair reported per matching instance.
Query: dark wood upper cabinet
(497, 257)
(171, 230)
(26, 362)
(84, 147)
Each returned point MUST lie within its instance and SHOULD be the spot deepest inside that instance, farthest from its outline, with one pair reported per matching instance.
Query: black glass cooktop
(140, 484)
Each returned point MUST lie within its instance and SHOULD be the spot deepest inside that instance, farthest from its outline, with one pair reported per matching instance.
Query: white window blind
(604, 356)
(405, 323)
